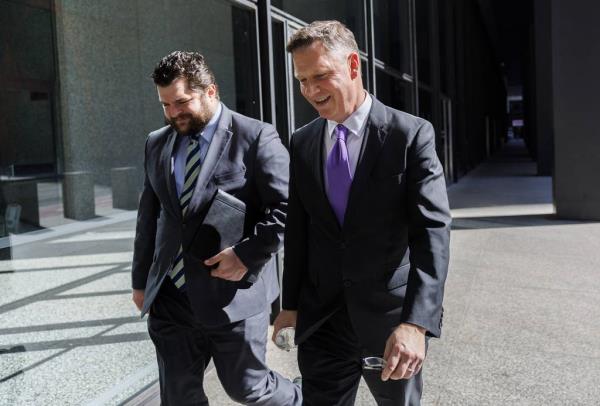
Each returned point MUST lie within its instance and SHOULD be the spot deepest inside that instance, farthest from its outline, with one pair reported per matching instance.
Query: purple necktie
(339, 177)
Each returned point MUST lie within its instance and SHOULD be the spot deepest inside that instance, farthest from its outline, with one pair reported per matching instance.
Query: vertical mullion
(265, 41)
(372, 84)
(413, 46)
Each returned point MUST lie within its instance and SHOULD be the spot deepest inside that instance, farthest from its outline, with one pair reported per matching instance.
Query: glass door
(291, 109)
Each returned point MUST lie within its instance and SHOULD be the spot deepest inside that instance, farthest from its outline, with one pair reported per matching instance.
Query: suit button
(347, 283)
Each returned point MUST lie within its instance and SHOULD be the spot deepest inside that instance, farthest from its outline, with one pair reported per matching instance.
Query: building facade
(79, 98)
(78, 101)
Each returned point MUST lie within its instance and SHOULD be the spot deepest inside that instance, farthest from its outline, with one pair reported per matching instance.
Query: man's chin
(327, 115)
(181, 129)
(324, 112)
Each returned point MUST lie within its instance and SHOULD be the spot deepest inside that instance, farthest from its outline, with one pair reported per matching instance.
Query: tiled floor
(69, 333)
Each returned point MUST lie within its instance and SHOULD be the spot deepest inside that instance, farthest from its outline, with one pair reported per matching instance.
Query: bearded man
(218, 308)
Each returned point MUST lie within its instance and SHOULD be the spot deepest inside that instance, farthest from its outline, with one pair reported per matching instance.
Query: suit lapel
(375, 135)
(219, 143)
(315, 155)
(169, 176)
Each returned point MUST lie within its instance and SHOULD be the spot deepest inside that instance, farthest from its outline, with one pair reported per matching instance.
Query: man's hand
(230, 267)
(285, 318)
(138, 298)
(404, 352)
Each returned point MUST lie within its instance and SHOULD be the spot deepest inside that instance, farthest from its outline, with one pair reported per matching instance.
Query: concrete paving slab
(21, 284)
(487, 375)
(24, 339)
(114, 282)
(63, 380)
(70, 310)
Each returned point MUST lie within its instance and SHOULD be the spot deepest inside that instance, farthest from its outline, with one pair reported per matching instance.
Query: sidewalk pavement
(520, 320)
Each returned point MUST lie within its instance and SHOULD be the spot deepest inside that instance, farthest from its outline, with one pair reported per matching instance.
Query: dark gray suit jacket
(388, 262)
(246, 159)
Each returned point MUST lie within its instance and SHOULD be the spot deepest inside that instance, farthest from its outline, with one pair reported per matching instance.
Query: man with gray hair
(209, 308)
(367, 232)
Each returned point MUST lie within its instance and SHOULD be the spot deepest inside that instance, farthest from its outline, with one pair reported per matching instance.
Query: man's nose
(310, 90)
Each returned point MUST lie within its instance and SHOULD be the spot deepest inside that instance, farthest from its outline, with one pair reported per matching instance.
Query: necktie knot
(341, 132)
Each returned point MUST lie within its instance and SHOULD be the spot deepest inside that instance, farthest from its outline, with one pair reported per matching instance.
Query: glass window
(280, 77)
(425, 105)
(426, 112)
(392, 33)
(246, 63)
(27, 145)
(350, 12)
(423, 11)
(444, 34)
(393, 92)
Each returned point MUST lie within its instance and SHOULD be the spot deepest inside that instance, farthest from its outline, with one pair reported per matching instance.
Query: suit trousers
(330, 364)
(184, 348)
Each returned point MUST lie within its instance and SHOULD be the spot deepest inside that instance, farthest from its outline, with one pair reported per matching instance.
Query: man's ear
(211, 90)
(354, 64)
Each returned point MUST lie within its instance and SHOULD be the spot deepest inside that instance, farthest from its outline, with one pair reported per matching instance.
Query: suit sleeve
(429, 233)
(145, 231)
(271, 180)
(295, 243)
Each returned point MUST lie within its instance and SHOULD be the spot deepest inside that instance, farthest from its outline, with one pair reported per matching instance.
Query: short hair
(334, 35)
(187, 65)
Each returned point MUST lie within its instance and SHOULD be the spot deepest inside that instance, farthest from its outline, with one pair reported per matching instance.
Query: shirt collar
(208, 131)
(356, 120)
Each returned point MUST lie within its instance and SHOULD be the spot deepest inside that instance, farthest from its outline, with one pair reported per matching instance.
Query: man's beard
(195, 124)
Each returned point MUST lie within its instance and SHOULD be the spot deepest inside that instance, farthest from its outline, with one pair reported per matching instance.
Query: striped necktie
(192, 168)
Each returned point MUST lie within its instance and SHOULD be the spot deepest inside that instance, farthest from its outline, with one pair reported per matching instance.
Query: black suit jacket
(246, 159)
(388, 262)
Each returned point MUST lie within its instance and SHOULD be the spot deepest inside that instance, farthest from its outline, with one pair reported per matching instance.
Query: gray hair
(334, 35)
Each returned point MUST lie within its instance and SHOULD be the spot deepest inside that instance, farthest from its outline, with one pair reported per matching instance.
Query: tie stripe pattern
(192, 168)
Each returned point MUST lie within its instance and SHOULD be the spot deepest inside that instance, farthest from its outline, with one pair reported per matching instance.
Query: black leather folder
(222, 227)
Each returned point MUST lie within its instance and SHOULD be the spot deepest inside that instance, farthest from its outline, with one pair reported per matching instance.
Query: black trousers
(184, 348)
(330, 363)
